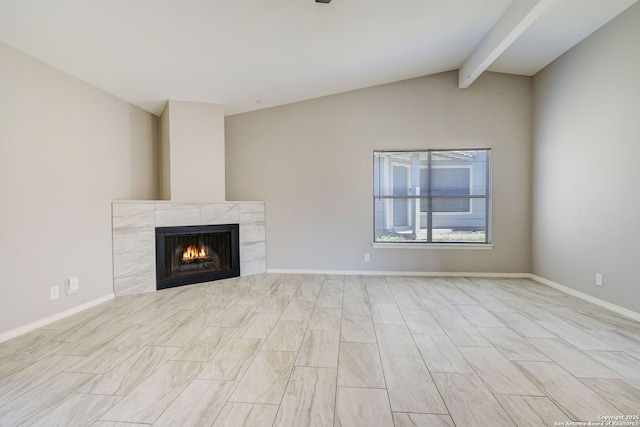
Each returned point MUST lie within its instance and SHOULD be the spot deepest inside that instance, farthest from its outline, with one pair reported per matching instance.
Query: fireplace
(196, 254)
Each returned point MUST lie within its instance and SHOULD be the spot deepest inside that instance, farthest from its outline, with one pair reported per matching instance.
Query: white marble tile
(574, 398)
(573, 360)
(235, 316)
(462, 333)
(354, 287)
(388, 314)
(21, 381)
(246, 414)
(111, 354)
(30, 407)
(479, 316)
(499, 373)
(134, 285)
(117, 424)
(287, 335)
(153, 396)
(79, 410)
(395, 340)
(512, 345)
(184, 332)
(252, 212)
(404, 419)
(249, 268)
(176, 214)
(352, 306)
(360, 366)
(116, 345)
(357, 329)
(309, 399)
(620, 393)
(441, 309)
(134, 240)
(362, 407)
(421, 322)
(259, 325)
(132, 372)
(205, 345)
(232, 360)
(325, 319)
(524, 325)
(575, 336)
(220, 213)
(127, 215)
(298, 310)
(440, 355)
(407, 299)
(410, 386)
(308, 290)
(134, 264)
(379, 294)
(621, 362)
(198, 405)
(319, 349)
(532, 411)
(266, 378)
(469, 402)
(254, 232)
(99, 336)
(252, 251)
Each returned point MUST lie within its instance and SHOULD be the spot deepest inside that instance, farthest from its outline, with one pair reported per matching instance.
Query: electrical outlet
(598, 279)
(73, 283)
(54, 292)
(367, 258)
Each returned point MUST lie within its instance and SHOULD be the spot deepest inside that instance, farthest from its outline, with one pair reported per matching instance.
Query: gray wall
(67, 149)
(312, 162)
(586, 207)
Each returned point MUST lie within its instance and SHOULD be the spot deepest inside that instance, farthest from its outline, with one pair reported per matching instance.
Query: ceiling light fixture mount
(323, 1)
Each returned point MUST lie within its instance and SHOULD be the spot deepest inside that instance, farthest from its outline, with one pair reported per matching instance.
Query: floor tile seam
(40, 381)
(506, 411)
(335, 391)
(585, 353)
(386, 382)
(605, 398)
(557, 403)
(43, 412)
(297, 352)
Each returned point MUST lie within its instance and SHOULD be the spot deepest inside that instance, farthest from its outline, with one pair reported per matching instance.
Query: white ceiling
(252, 54)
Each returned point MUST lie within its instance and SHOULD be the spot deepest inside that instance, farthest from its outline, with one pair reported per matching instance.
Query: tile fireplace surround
(134, 223)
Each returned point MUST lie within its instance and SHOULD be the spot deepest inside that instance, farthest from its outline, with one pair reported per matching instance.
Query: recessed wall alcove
(134, 224)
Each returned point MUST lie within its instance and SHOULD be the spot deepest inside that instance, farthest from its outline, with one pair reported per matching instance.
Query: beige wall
(165, 156)
(195, 147)
(312, 163)
(587, 145)
(67, 149)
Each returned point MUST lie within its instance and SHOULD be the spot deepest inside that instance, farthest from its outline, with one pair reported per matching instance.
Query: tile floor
(313, 350)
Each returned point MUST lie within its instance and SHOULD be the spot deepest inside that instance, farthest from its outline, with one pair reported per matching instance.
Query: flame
(193, 252)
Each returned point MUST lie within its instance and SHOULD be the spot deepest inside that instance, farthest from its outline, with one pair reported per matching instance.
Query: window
(432, 196)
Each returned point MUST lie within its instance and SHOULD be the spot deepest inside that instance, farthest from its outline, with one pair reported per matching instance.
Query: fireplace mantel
(134, 224)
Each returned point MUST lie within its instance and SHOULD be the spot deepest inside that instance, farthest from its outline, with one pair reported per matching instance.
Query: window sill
(463, 246)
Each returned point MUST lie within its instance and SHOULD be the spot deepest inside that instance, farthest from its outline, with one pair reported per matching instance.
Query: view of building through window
(431, 196)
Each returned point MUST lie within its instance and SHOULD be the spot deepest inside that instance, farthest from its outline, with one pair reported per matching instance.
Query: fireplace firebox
(195, 254)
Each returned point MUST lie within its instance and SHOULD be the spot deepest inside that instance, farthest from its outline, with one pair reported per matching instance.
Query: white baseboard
(5, 336)
(398, 273)
(589, 298)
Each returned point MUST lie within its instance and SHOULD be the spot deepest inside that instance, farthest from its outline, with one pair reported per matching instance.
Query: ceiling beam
(520, 15)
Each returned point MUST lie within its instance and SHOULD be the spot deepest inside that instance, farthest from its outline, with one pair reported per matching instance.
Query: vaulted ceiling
(252, 54)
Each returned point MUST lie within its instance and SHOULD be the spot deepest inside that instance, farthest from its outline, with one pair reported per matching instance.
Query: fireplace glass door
(195, 254)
